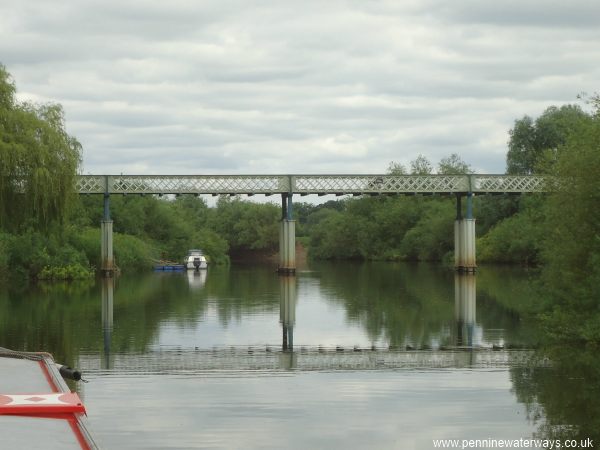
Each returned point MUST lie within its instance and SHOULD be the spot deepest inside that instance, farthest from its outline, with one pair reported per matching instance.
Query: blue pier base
(169, 268)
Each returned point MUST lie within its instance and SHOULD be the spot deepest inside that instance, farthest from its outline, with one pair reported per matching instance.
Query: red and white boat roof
(37, 409)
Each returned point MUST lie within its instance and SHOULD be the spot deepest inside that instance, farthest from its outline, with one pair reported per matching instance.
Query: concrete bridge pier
(287, 237)
(107, 267)
(464, 237)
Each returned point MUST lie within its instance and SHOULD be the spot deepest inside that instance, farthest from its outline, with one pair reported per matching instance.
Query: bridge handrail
(309, 184)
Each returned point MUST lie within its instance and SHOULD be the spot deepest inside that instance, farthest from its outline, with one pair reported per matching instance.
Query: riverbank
(271, 257)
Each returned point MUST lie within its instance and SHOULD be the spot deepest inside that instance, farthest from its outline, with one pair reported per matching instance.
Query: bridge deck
(308, 184)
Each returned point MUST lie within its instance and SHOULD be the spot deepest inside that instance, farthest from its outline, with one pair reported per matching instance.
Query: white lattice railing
(380, 184)
(307, 184)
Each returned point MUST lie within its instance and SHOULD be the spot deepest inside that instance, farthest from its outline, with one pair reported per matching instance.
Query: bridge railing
(308, 184)
(508, 183)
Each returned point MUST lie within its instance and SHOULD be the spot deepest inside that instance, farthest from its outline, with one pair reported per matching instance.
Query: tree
(246, 225)
(453, 165)
(38, 161)
(572, 246)
(533, 145)
(396, 169)
(421, 166)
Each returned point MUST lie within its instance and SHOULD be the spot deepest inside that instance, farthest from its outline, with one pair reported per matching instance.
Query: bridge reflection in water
(464, 308)
(108, 286)
(461, 354)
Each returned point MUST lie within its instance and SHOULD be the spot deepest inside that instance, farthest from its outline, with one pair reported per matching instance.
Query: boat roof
(36, 425)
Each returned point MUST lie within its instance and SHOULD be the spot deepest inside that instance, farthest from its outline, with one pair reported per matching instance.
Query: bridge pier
(107, 267)
(287, 237)
(464, 237)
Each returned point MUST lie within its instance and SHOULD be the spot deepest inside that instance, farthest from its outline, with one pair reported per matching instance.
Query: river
(343, 355)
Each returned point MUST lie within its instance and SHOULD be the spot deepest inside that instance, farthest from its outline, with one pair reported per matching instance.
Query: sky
(278, 87)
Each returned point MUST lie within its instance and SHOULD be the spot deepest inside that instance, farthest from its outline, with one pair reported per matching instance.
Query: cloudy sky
(274, 86)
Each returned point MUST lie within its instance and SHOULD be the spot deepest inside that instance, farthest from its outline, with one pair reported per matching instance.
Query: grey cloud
(339, 86)
(538, 13)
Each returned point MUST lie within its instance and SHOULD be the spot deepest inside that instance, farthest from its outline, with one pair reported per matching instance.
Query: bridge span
(287, 186)
(309, 184)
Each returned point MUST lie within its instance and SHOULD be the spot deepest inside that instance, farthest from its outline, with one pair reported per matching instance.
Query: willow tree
(38, 161)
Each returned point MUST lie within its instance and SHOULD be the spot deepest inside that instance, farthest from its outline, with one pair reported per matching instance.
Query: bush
(69, 272)
(86, 240)
(516, 239)
(29, 253)
(5, 244)
(132, 253)
(433, 235)
(214, 246)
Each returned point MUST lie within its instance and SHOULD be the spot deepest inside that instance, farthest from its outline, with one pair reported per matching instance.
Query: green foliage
(491, 209)
(453, 165)
(395, 168)
(5, 245)
(421, 166)
(533, 145)
(87, 240)
(561, 400)
(38, 162)
(29, 251)
(572, 248)
(165, 229)
(516, 239)
(432, 237)
(132, 253)
(69, 272)
(32, 252)
(383, 228)
(334, 237)
(246, 225)
(215, 247)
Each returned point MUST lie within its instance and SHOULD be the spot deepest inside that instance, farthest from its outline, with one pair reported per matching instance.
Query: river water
(342, 355)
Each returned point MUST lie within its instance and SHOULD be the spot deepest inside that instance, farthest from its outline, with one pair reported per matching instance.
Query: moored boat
(195, 260)
(37, 408)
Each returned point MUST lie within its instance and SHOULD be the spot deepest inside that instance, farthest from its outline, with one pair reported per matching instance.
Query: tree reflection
(420, 305)
(399, 304)
(561, 390)
(67, 319)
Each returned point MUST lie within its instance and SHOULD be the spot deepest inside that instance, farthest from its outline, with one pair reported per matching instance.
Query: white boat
(196, 260)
